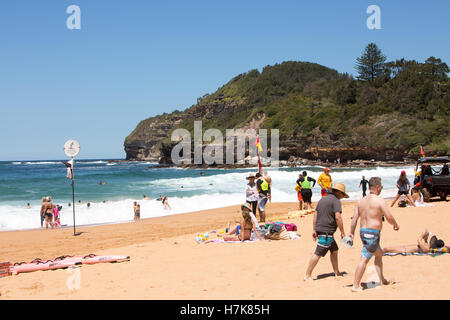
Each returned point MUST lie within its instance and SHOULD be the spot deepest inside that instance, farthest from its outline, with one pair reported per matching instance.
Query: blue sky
(135, 59)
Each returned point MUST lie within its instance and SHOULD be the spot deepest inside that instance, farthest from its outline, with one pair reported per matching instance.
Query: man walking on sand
(363, 183)
(371, 209)
(327, 219)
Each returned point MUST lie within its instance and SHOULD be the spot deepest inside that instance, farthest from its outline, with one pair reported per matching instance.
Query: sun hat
(340, 187)
(246, 205)
(250, 175)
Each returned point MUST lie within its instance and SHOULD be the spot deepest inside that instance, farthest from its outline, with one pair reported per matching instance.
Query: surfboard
(92, 259)
(42, 265)
(64, 262)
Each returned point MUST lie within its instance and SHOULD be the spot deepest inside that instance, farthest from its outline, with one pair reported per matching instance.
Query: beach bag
(290, 227)
(262, 232)
(283, 234)
(275, 227)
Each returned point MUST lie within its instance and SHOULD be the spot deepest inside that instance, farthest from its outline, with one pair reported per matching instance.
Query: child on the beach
(137, 211)
(56, 219)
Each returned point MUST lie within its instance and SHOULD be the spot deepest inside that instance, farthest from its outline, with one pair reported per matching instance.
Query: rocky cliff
(320, 114)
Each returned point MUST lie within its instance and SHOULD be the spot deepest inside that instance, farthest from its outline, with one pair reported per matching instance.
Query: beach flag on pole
(258, 145)
(71, 149)
(69, 165)
(422, 152)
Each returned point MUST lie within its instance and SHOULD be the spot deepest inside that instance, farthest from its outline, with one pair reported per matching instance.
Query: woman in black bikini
(49, 213)
(422, 246)
(246, 227)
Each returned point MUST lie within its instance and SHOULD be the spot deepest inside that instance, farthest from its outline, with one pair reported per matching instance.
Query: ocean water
(23, 182)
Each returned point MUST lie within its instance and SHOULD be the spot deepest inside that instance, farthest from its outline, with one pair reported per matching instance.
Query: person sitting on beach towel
(244, 230)
(422, 246)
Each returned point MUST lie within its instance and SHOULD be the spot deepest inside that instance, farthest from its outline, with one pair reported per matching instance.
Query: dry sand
(166, 262)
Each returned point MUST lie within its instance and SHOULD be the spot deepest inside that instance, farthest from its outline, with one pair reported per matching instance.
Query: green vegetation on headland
(387, 113)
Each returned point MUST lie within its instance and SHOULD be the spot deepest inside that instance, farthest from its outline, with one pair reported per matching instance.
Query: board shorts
(262, 204)
(324, 192)
(42, 217)
(402, 192)
(307, 195)
(325, 242)
(371, 242)
(299, 196)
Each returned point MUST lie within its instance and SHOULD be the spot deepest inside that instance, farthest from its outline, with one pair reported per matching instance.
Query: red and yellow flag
(258, 144)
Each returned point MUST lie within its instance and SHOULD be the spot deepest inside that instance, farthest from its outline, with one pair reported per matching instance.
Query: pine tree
(371, 63)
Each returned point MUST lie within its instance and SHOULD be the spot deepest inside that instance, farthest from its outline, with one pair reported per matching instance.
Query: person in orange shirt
(325, 182)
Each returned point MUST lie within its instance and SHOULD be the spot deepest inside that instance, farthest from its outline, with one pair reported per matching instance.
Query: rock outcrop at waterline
(320, 114)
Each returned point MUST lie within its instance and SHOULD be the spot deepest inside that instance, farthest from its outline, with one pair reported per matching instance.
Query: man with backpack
(306, 192)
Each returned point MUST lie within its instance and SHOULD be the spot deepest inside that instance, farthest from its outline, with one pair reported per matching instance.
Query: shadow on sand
(327, 275)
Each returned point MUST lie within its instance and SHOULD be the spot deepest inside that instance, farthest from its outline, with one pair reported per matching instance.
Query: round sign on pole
(71, 148)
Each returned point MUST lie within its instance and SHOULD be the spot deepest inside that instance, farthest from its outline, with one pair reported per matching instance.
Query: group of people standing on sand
(257, 193)
(304, 188)
(50, 213)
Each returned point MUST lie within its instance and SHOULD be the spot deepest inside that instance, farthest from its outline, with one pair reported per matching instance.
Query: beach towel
(223, 241)
(432, 254)
(445, 249)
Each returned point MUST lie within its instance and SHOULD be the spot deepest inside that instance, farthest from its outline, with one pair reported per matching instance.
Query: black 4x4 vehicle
(434, 177)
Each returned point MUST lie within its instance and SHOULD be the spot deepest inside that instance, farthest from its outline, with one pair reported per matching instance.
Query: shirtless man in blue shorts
(371, 209)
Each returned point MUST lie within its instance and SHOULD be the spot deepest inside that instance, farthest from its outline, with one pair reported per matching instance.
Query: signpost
(71, 149)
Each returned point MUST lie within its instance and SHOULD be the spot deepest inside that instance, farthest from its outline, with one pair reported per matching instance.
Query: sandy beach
(167, 263)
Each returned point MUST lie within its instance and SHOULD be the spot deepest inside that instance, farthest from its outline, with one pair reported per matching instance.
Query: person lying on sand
(245, 228)
(422, 246)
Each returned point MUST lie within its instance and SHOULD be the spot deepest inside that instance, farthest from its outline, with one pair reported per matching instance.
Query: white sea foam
(41, 162)
(198, 193)
(91, 162)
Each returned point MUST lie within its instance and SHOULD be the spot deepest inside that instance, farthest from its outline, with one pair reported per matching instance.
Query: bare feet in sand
(359, 289)
(339, 274)
(386, 282)
(307, 278)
